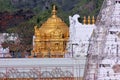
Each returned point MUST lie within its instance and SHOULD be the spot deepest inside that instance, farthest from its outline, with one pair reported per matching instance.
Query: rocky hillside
(15, 12)
(44, 4)
(8, 20)
(40, 5)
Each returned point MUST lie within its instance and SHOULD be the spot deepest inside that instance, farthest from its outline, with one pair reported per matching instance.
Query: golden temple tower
(51, 38)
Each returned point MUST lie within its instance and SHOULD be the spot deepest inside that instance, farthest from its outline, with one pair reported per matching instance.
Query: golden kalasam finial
(84, 20)
(54, 10)
(93, 20)
(89, 21)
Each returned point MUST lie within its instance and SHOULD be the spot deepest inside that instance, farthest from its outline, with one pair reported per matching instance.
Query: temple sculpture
(51, 38)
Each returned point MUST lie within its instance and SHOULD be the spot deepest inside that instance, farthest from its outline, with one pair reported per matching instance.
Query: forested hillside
(42, 8)
(20, 16)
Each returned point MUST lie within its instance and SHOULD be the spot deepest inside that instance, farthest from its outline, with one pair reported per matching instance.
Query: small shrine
(50, 40)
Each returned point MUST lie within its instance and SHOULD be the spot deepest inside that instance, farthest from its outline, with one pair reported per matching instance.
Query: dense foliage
(42, 10)
(65, 7)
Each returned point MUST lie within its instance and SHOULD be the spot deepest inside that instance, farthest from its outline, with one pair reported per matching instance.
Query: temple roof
(53, 23)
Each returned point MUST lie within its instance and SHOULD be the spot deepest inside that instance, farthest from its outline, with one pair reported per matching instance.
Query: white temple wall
(67, 66)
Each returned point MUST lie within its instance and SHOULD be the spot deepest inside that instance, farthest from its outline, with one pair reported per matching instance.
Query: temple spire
(54, 11)
(48, 38)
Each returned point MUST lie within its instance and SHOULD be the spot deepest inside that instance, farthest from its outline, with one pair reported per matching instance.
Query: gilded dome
(53, 23)
(51, 38)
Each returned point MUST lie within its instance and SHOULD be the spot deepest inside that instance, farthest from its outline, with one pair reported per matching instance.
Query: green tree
(5, 5)
(41, 17)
